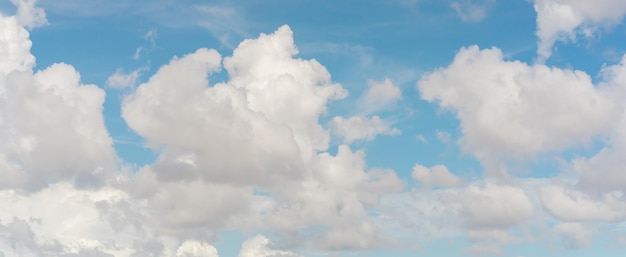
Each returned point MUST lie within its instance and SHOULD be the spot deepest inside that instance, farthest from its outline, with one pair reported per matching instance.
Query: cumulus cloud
(507, 109)
(438, 175)
(361, 128)
(69, 225)
(14, 47)
(561, 20)
(44, 112)
(256, 132)
(252, 145)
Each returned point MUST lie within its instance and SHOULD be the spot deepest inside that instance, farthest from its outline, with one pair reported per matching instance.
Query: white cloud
(256, 132)
(69, 224)
(577, 206)
(192, 248)
(119, 79)
(559, 20)
(437, 175)
(261, 246)
(381, 94)
(14, 47)
(472, 10)
(28, 15)
(361, 128)
(264, 119)
(603, 172)
(508, 108)
(44, 112)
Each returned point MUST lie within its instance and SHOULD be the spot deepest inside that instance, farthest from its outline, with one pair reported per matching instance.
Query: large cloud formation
(247, 154)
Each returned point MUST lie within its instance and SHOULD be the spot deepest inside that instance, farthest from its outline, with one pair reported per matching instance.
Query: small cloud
(472, 11)
(421, 138)
(358, 128)
(382, 93)
(123, 80)
(437, 175)
(150, 37)
(443, 136)
(138, 53)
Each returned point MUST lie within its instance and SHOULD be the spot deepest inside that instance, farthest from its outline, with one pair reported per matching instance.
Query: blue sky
(312, 128)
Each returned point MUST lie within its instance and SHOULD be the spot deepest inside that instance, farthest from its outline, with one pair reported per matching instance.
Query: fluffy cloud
(437, 175)
(59, 221)
(559, 20)
(256, 132)
(14, 47)
(252, 145)
(359, 128)
(44, 112)
(193, 248)
(381, 94)
(262, 123)
(507, 109)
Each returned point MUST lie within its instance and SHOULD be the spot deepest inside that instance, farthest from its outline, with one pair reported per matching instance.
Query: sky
(312, 128)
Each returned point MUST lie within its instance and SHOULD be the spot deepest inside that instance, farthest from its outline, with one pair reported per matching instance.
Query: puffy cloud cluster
(508, 109)
(248, 153)
(512, 111)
